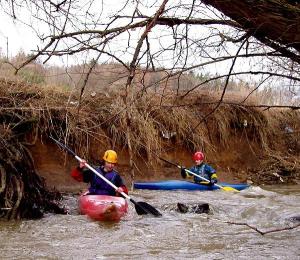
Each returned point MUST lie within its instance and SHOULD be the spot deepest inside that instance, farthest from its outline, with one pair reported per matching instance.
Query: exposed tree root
(3, 179)
(23, 192)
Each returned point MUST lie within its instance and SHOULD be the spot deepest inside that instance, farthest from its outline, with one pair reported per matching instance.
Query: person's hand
(183, 172)
(213, 181)
(82, 164)
(119, 190)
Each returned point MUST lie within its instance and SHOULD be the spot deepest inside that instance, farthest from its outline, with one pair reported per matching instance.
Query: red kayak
(103, 207)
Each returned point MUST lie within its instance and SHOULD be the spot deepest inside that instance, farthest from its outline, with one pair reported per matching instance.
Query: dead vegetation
(23, 192)
(29, 113)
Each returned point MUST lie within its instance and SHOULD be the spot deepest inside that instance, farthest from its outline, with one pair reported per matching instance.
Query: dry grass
(143, 123)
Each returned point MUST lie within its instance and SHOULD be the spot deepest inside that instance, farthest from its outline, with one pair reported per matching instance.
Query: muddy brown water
(173, 236)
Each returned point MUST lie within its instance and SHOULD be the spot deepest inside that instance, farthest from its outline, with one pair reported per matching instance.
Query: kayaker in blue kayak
(202, 169)
(106, 168)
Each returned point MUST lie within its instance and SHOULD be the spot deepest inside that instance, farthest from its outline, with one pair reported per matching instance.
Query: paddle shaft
(102, 177)
(107, 181)
(141, 207)
(190, 172)
(90, 167)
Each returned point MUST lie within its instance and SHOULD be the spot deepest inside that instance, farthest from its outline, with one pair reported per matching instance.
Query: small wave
(257, 192)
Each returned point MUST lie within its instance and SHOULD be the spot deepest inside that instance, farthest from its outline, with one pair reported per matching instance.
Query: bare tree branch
(264, 232)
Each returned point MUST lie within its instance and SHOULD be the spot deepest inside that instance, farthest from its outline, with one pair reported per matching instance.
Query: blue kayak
(184, 185)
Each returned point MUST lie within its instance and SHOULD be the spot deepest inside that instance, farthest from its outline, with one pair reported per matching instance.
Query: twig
(263, 232)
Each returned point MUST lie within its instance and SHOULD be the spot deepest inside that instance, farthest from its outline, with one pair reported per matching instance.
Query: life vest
(204, 171)
(100, 187)
(97, 184)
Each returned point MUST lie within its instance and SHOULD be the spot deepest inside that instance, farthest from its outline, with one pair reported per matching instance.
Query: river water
(173, 236)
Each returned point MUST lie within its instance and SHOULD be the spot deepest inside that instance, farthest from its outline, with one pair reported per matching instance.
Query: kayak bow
(103, 207)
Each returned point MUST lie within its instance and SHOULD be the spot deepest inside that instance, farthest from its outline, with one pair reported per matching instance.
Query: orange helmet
(198, 156)
(110, 156)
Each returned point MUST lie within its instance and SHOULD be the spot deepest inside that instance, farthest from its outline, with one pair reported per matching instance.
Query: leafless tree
(255, 38)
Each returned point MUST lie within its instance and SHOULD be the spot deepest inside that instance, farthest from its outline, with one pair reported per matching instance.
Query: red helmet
(198, 156)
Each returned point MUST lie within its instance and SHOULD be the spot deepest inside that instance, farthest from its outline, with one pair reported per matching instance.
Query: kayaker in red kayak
(202, 169)
(106, 168)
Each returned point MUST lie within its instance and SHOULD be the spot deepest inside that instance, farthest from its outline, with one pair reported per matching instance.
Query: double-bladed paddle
(226, 188)
(142, 208)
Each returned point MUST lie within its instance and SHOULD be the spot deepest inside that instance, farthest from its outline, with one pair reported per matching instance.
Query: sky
(18, 36)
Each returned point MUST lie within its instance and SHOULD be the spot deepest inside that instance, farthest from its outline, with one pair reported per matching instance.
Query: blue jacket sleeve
(210, 169)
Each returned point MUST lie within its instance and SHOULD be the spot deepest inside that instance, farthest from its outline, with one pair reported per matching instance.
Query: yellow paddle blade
(229, 189)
